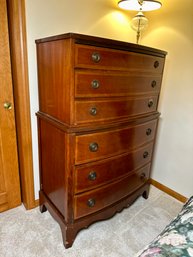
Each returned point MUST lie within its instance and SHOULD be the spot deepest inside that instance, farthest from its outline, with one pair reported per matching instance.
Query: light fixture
(139, 23)
(136, 5)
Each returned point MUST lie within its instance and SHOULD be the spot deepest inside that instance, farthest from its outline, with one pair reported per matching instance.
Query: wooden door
(9, 171)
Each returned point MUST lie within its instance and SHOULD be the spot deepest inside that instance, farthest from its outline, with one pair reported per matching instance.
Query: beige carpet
(30, 233)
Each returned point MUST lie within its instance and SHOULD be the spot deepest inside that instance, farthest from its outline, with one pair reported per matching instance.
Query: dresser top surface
(104, 42)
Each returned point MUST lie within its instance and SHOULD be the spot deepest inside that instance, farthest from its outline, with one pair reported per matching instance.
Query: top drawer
(103, 58)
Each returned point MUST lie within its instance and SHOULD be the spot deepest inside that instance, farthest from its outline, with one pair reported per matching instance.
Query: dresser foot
(146, 193)
(43, 208)
(68, 236)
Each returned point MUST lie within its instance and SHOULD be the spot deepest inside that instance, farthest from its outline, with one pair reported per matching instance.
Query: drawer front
(102, 84)
(94, 175)
(96, 146)
(105, 110)
(100, 198)
(103, 58)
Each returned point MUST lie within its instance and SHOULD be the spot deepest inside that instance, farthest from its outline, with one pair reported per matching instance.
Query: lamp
(139, 23)
(136, 5)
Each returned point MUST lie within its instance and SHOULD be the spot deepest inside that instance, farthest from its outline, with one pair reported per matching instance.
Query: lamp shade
(137, 5)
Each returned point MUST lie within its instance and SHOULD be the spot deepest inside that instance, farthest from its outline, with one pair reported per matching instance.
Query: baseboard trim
(37, 203)
(168, 191)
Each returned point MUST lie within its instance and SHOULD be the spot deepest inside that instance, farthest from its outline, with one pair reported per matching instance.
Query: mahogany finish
(101, 110)
(116, 60)
(113, 142)
(102, 197)
(97, 126)
(102, 172)
(103, 84)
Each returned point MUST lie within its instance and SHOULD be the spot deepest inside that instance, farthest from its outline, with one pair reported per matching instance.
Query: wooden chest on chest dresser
(97, 125)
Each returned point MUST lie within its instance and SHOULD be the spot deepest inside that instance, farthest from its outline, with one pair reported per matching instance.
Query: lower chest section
(84, 173)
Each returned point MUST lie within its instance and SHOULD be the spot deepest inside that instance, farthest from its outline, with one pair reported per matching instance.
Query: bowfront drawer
(100, 84)
(103, 58)
(103, 172)
(102, 197)
(101, 110)
(91, 147)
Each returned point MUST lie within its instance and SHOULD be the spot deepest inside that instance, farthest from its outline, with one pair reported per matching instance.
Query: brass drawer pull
(96, 57)
(153, 83)
(91, 202)
(156, 64)
(145, 154)
(93, 147)
(95, 84)
(143, 176)
(148, 132)
(150, 103)
(92, 175)
(93, 111)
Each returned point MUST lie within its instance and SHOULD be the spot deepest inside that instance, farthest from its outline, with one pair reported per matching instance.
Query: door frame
(19, 62)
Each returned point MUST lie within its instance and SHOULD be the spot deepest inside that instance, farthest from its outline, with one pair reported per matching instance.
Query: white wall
(173, 162)
(171, 29)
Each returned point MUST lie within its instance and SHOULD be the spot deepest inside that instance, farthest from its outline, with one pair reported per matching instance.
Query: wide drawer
(105, 84)
(100, 198)
(103, 58)
(103, 172)
(95, 146)
(111, 109)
